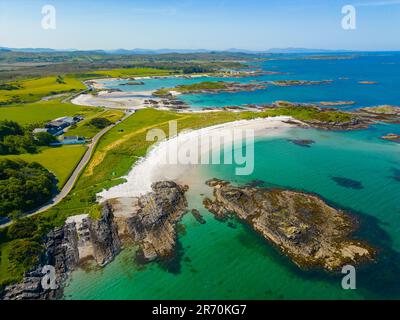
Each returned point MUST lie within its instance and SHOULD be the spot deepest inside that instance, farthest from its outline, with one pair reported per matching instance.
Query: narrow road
(75, 175)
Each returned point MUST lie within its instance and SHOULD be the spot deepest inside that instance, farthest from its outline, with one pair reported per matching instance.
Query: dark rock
(197, 215)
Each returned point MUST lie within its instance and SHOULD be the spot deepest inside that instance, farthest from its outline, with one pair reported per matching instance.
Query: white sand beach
(115, 100)
(158, 165)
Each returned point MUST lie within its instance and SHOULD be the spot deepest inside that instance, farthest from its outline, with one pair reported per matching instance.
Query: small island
(336, 103)
(368, 82)
(208, 87)
(302, 226)
(288, 83)
(392, 137)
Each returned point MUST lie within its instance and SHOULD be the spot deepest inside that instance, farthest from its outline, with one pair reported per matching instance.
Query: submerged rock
(348, 183)
(302, 142)
(197, 215)
(302, 226)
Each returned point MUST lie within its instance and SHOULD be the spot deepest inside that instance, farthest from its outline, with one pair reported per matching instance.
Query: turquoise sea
(218, 261)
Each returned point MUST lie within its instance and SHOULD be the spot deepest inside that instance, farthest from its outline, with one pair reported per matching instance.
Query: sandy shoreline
(115, 100)
(131, 100)
(156, 165)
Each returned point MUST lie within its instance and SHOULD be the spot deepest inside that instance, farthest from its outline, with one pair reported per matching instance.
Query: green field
(132, 72)
(43, 111)
(61, 161)
(35, 89)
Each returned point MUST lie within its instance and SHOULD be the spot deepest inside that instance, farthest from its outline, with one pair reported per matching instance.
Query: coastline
(153, 167)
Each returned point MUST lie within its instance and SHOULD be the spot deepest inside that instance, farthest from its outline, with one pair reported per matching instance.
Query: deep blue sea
(220, 262)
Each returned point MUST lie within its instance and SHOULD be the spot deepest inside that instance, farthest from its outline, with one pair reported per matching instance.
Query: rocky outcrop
(61, 252)
(353, 124)
(150, 220)
(385, 113)
(305, 228)
(81, 238)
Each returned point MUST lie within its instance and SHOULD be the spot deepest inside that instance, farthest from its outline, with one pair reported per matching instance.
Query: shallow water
(216, 261)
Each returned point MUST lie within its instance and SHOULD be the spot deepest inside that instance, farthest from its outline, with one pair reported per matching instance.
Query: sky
(200, 24)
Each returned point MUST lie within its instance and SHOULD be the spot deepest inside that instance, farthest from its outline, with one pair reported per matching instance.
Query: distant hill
(171, 51)
(302, 50)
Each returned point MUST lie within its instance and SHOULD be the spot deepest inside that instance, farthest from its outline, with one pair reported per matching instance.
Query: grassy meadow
(61, 161)
(43, 111)
(35, 89)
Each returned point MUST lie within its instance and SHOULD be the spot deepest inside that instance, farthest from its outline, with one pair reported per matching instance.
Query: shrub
(23, 186)
(25, 253)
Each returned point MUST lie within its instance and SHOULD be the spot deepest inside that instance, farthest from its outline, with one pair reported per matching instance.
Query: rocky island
(208, 87)
(289, 83)
(302, 226)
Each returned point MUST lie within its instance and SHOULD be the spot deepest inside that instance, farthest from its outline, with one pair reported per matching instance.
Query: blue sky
(195, 24)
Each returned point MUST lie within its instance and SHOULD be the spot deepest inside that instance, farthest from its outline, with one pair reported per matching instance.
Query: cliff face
(301, 225)
(80, 238)
(149, 221)
(104, 237)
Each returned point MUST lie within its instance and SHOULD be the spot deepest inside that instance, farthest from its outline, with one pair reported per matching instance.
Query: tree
(21, 228)
(44, 138)
(8, 128)
(14, 139)
(24, 253)
(23, 186)
(100, 123)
